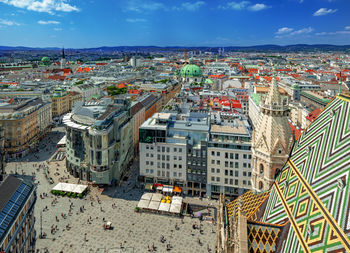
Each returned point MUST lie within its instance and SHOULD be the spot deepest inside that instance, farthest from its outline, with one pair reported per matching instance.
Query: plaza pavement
(135, 231)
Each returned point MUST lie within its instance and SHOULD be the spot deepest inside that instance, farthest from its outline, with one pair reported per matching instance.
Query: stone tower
(272, 139)
(63, 59)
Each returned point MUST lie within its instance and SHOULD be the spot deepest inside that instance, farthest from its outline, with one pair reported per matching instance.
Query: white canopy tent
(153, 205)
(164, 207)
(175, 208)
(147, 196)
(143, 203)
(157, 197)
(74, 188)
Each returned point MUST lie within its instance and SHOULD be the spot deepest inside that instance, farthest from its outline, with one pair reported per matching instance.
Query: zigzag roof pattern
(312, 191)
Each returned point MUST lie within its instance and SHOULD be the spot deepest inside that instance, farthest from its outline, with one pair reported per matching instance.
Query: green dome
(191, 70)
(45, 59)
(209, 81)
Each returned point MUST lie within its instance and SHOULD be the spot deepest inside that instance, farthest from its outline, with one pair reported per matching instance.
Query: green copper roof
(209, 81)
(45, 59)
(191, 70)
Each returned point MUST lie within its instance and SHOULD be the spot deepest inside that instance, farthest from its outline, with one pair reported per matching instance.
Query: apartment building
(60, 102)
(173, 151)
(24, 121)
(99, 140)
(17, 200)
(229, 157)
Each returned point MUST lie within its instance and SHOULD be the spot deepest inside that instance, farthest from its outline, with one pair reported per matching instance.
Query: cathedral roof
(311, 193)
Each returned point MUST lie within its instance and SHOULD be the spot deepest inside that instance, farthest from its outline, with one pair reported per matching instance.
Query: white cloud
(324, 11)
(243, 5)
(48, 22)
(48, 6)
(192, 6)
(258, 7)
(347, 27)
(333, 33)
(58, 29)
(284, 30)
(302, 31)
(140, 6)
(234, 5)
(135, 20)
(8, 22)
(321, 33)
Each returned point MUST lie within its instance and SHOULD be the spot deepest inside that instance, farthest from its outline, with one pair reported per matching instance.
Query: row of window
(164, 173)
(231, 155)
(164, 165)
(245, 173)
(164, 149)
(227, 180)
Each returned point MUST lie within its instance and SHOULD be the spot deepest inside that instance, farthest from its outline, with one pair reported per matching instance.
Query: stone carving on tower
(272, 139)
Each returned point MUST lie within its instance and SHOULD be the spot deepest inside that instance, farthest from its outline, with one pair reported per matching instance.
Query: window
(175, 174)
(147, 147)
(249, 156)
(158, 157)
(231, 173)
(249, 183)
(231, 155)
(167, 174)
(163, 165)
(212, 161)
(217, 179)
(218, 162)
(168, 166)
(217, 153)
(175, 149)
(212, 170)
(226, 180)
(244, 165)
(244, 182)
(158, 164)
(249, 166)
(244, 173)
(158, 173)
(151, 155)
(152, 171)
(180, 174)
(236, 181)
(244, 156)
(213, 179)
(167, 149)
(231, 181)
(261, 185)
(217, 170)
(147, 170)
(213, 153)
(175, 166)
(249, 174)
(163, 149)
(261, 168)
(151, 147)
(147, 162)
(180, 150)
(147, 155)
(163, 173)
(168, 157)
(158, 148)
(163, 157)
(226, 163)
(180, 158)
(236, 165)
(226, 172)
(180, 166)
(226, 155)
(236, 156)
(175, 157)
(231, 164)
(236, 173)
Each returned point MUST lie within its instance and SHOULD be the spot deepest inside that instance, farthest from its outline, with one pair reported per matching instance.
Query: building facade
(99, 140)
(229, 158)
(17, 200)
(24, 121)
(60, 102)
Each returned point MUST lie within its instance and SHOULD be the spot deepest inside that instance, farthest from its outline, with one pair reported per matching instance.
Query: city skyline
(73, 24)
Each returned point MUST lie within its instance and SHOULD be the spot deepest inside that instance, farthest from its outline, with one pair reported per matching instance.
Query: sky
(94, 23)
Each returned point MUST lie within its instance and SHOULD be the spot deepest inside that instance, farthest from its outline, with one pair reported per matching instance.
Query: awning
(177, 189)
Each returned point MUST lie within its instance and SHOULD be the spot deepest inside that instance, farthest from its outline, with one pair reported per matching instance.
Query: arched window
(261, 168)
(261, 185)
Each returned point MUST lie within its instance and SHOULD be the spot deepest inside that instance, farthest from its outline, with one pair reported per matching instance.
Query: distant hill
(258, 48)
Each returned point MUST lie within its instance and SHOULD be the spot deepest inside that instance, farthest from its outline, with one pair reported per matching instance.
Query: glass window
(217, 170)
(244, 182)
(158, 164)
(244, 165)
(231, 181)
(151, 163)
(236, 173)
(218, 162)
(217, 179)
(236, 156)
(175, 174)
(244, 173)
(231, 173)
(175, 149)
(180, 158)
(163, 157)
(212, 161)
(147, 170)
(180, 174)
(147, 162)
(236, 165)
(175, 157)
(226, 172)
(163, 165)
(236, 181)
(212, 170)
(158, 173)
(218, 153)
(158, 157)
(250, 156)
(180, 166)
(158, 148)
(249, 174)
(175, 166)
(244, 156)
(180, 150)
(168, 166)
(226, 180)
(213, 153)
(212, 178)
(152, 171)
(168, 157)
(163, 149)
(147, 155)
(226, 163)
(249, 183)
(168, 149)
(226, 155)
(147, 147)
(231, 155)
